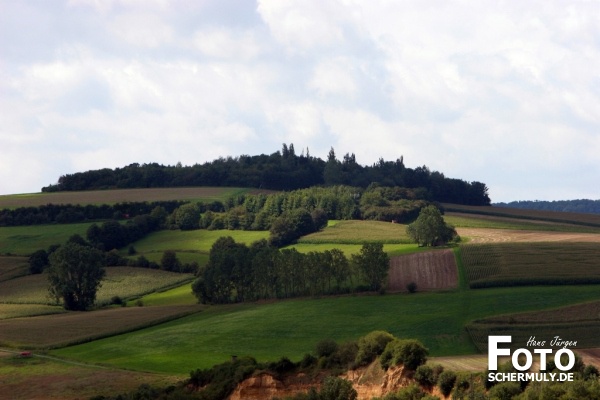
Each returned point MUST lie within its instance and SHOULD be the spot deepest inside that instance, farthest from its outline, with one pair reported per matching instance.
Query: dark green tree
(187, 217)
(430, 229)
(374, 264)
(75, 274)
(38, 260)
(169, 261)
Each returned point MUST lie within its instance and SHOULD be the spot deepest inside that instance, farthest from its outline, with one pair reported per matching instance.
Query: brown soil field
(61, 329)
(12, 267)
(431, 270)
(113, 196)
(484, 235)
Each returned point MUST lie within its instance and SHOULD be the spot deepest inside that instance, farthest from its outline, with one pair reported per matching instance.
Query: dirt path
(483, 235)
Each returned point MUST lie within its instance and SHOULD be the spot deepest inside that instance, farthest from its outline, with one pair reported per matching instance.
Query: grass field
(516, 264)
(205, 194)
(27, 310)
(124, 282)
(180, 295)
(189, 245)
(24, 240)
(292, 328)
(359, 232)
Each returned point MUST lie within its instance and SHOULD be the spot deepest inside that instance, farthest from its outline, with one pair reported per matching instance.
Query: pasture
(517, 264)
(291, 328)
(359, 232)
(113, 196)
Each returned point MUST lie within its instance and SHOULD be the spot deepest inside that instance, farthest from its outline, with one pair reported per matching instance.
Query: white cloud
(503, 93)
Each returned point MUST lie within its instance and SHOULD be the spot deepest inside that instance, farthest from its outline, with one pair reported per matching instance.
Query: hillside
(282, 170)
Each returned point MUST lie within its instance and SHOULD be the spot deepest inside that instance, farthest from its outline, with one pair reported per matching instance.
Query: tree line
(236, 272)
(282, 170)
(578, 206)
(70, 213)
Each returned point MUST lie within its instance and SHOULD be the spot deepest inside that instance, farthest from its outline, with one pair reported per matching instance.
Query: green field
(292, 328)
(358, 232)
(124, 282)
(24, 240)
(516, 264)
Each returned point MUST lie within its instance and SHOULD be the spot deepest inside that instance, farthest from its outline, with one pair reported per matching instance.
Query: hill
(282, 170)
(577, 206)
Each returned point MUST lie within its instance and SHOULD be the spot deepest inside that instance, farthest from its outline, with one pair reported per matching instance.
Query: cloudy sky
(505, 93)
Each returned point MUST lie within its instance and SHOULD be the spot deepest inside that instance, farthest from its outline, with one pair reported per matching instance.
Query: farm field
(189, 245)
(432, 270)
(268, 331)
(24, 240)
(112, 196)
(13, 267)
(488, 235)
(125, 282)
(43, 378)
(592, 220)
(47, 331)
(358, 232)
(517, 264)
(464, 220)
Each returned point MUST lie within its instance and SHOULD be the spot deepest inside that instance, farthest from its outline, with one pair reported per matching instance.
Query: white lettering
(558, 363)
(515, 359)
(494, 351)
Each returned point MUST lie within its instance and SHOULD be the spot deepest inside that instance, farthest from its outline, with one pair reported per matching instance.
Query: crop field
(268, 331)
(40, 377)
(359, 232)
(592, 220)
(205, 194)
(13, 267)
(432, 270)
(180, 295)
(485, 235)
(27, 310)
(517, 264)
(579, 322)
(464, 220)
(24, 240)
(49, 331)
(124, 282)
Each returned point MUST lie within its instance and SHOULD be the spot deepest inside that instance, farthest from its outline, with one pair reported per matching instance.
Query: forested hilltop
(282, 170)
(579, 206)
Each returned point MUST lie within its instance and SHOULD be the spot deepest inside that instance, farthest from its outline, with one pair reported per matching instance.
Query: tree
(75, 274)
(430, 229)
(187, 217)
(374, 263)
(38, 261)
(169, 261)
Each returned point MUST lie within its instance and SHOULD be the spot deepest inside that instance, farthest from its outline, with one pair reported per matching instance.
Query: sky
(501, 92)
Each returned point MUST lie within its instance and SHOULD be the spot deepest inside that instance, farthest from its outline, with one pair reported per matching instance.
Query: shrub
(335, 388)
(371, 346)
(411, 287)
(409, 352)
(425, 376)
(446, 382)
(326, 347)
(505, 390)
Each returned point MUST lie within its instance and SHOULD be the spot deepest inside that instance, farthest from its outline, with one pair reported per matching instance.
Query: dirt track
(483, 235)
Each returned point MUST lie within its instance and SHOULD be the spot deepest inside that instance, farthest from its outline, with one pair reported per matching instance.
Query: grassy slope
(24, 240)
(292, 328)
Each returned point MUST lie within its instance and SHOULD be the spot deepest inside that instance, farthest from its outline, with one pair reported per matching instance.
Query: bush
(409, 352)
(335, 388)
(505, 390)
(425, 376)
(371, 346)
(411, 287)
(326, 347)
(446, 382)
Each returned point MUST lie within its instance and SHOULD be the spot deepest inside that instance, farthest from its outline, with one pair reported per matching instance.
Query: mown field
(205, 194)
(358, 232)
(519, 264)
(292, 328)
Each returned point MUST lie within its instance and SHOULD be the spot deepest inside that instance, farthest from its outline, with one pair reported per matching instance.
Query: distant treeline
(578, 206)
(68, 213)
(282, 170)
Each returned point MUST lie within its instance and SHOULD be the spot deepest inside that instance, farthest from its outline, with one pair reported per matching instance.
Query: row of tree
(69, 213)
(282, 170)
(236, 272)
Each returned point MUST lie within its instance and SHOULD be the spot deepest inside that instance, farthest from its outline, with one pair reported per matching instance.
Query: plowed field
(432, 270)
